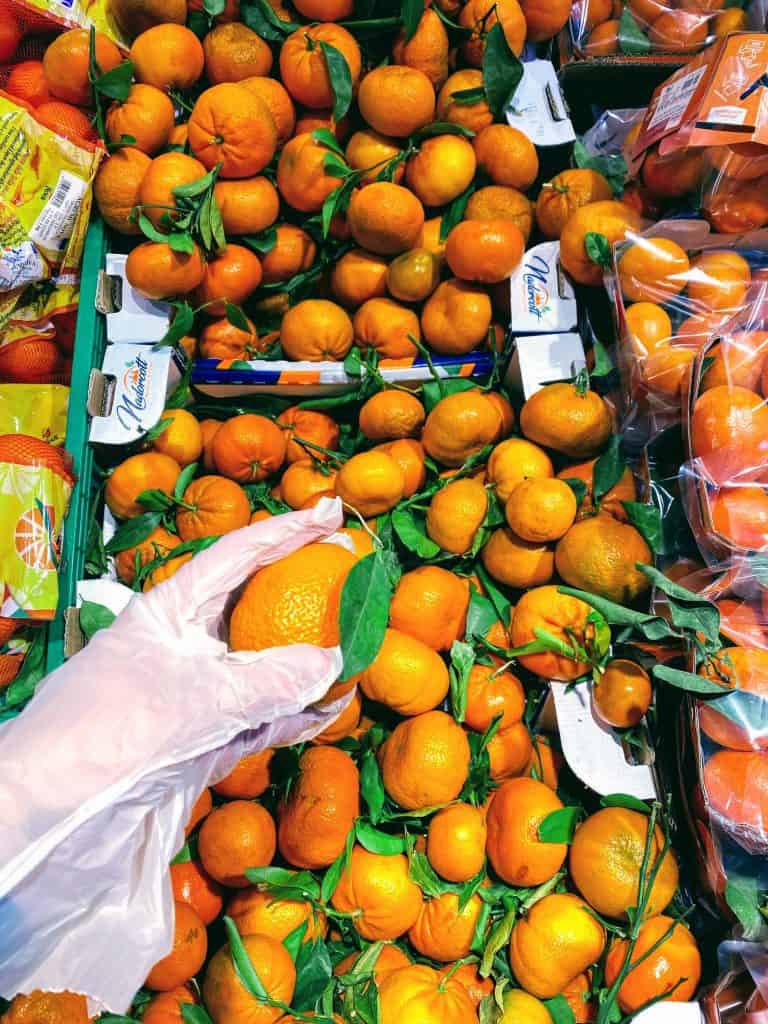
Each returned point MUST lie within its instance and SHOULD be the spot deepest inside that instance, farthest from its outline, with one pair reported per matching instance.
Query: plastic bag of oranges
(35, 486)
(735, 197)
(45, 196)
(641, 28)
(725, 741)
(37, 334)
(676, 288)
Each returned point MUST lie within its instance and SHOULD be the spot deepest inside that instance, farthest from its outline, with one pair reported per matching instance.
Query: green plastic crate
(90, 342)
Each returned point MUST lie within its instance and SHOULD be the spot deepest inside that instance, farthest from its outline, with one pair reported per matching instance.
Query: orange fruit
(232, 275)
(313, 823)
(741, 515)
(346, 724)
(293, 600)
(460, 425)
(369, 151)
(679, 31)
(234, 52)
(309, 120)
(192, 885)
(377, 890)
(167, 56)
(182, 438)
(236, 836)
(605, 859)
(493, 691)
(506, 155)
(719, 280)
(143, 472)
(441, 170)
(557, 939)
(247, 206)
(406, 675)
(48, 1007)
(385, 325)
(442, 932)
(409, 455)
(736, 206)
(561, 417)
(249, 778)
(135, 16)
(648, 326)
(647, 11)
(456, 842)
(385, 218)
(668, 968)
(322, 10)
(258, 913)
(391, 414)
(623, 693)
(414, 275)
(653, 268)
(165, 571)
(474, 116)
(605, 217)
(362, 541)
(216, 506)
(302, 62)
(301, 177)
(316, 428)
(496, 202)
(293, 251)
(10, 37)
(545, 762)
(520, 1006)
(200, 810)
(517, 855)
(277, 100)
(316, 330)
(303, 481)
(220, 339)
(190, 945)
(545, 18)
(165, 1007)
(509, 752)
(370, 482)
(485, 251)
(456, 317)
(159, 542)
(578, 994)
(66, 120)
(728, 428)
(541, 510)
(611, 501)
(430, 604)
(232, 127)
(738, 359)
(514, 461)
(359, 276)
(480, 16)
(228, 1000)
(248, 448)
(559, 614)
(739, 668)
(165, 173)
(736, 784)
(455, 514)
(672, 176)
(391, 958)
(425, 761)
(565, 193)
(396, 99)
(603, 40)
(159, 272)
(421, 993)
(66, 64)
(426, 50)
(600, 555)
(516, 562)
(27, 81)
(117, 187)
(146, 114)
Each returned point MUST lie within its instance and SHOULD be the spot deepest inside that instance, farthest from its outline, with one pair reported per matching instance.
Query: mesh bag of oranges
(676, 288)
(37, 333)
(35, 487)
(641, 28)
(725, 733)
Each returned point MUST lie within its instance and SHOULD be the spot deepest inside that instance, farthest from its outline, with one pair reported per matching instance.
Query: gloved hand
(99, 774)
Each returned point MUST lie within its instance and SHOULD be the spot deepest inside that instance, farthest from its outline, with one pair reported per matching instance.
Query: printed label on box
(541, 298)
(56, 220)
(674, 99)
(130, 391)
(538, 108)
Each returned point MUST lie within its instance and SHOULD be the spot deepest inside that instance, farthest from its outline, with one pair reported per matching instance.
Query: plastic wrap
(677, 288)
(148, 714)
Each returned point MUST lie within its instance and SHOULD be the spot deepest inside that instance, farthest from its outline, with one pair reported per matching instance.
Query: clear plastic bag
(102, 769)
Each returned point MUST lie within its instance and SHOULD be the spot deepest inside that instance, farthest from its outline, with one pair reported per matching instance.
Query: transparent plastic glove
(99, 774)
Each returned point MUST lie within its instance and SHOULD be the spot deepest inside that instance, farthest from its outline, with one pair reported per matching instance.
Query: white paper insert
(541, 359)
(131, 389)
(541, 298)
(538, 108)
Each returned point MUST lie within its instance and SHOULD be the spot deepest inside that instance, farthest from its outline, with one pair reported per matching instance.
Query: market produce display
(571, 510)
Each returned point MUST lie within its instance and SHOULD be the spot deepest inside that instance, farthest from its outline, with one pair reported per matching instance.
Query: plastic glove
(98, 776)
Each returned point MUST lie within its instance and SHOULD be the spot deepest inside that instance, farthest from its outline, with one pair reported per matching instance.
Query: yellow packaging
(35, 311)
(45, 199)
(77, 13)
(33, 503)
(39, 410)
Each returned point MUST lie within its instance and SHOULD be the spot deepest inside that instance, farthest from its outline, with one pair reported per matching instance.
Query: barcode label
(57, 218)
